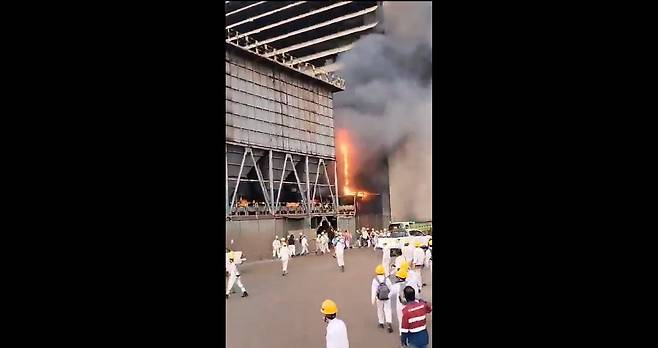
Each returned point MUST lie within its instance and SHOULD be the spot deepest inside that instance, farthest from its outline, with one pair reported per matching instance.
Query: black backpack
(383, 291)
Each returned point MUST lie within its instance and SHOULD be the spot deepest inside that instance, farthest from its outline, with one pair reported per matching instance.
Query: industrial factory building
(281, 168)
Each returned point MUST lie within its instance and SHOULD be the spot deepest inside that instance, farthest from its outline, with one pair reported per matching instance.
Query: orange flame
(343, 140)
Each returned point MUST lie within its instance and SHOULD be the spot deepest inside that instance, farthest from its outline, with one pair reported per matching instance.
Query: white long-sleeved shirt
(232, 269)
(304, 241)
(284, 252)
(419, 256)
(276, 244)
(414, 279)
(408, 252)
(337, 334)
(375, 284)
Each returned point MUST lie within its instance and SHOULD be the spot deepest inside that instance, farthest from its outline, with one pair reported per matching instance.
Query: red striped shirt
(414, 316)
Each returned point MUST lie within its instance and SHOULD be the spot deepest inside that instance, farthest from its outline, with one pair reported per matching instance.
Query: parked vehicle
(425, 227)
(399, 236)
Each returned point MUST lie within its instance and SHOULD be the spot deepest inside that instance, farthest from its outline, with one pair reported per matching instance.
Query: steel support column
(308, 187)
(271, 172)
(226, 160)
(336, 182)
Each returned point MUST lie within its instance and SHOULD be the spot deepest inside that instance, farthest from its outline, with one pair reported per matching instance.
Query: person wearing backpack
(397, 293)
(380, 296)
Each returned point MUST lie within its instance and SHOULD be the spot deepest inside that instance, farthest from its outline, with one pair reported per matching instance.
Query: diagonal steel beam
(237, 184)
(317, 175)
(260, 179)
(333, 199)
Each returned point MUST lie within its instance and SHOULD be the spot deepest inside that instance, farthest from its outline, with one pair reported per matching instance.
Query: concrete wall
(347, 224)
(254, 237)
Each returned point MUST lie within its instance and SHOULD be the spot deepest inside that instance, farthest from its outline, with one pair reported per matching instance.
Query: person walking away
(348, 239)
(408, 251)
(284, 254)
(301, 235)
(386, 259)
(414, 279)
(276, 245)
(336, 329)
(234, 276)
(375, 239)
(304, 245)
(396, 292)
(291, 244)
(379, 296)
(399, 261)
(419, 255)
(317, 243)
(322, 243)
(340, 253)
(413, 331)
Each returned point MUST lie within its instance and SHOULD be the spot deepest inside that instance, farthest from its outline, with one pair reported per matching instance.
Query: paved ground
(284, 312)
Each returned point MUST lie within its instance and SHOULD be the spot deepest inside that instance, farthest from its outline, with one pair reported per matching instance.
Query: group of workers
(406, 286)
(411, 310)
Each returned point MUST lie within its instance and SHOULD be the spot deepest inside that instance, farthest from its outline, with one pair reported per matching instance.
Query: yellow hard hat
(402, 273)
(231, 256)
(329, 307)
(430, 242)
(418, 243)
(379, 269)
(404, 265)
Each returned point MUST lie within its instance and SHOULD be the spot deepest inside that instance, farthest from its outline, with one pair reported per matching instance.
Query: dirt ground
(284, 312)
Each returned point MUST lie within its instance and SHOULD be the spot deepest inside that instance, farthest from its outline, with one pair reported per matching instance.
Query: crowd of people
(400, 280)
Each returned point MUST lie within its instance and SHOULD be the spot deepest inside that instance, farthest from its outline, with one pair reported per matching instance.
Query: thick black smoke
(387, 107)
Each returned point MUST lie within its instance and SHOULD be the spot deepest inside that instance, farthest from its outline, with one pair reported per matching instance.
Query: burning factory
(298, 156)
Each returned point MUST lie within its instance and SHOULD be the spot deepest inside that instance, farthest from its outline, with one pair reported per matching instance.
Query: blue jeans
(411, 345)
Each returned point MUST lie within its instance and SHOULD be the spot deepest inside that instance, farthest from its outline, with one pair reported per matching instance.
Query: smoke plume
(387, 107)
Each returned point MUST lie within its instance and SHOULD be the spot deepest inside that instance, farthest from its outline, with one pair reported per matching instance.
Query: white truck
(398, 237)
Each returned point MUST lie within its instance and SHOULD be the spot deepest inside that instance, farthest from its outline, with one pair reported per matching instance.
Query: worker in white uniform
(380, 297)
(284, 254)
(386, 259)
(414, 279)
(419, 255)
(317, 243)
(396, 291)
(340, 252)
(399, 261)
(408, 251)
(304, 245)
(234, 276)
(276, 245)
(336, 328)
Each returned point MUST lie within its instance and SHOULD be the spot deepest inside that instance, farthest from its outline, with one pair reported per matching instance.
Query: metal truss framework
(272, 202)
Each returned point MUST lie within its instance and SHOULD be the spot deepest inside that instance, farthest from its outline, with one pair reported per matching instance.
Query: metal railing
(244, 42)
(281, 209)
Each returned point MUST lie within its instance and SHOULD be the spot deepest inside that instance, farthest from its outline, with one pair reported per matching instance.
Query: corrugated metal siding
(268, 107)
